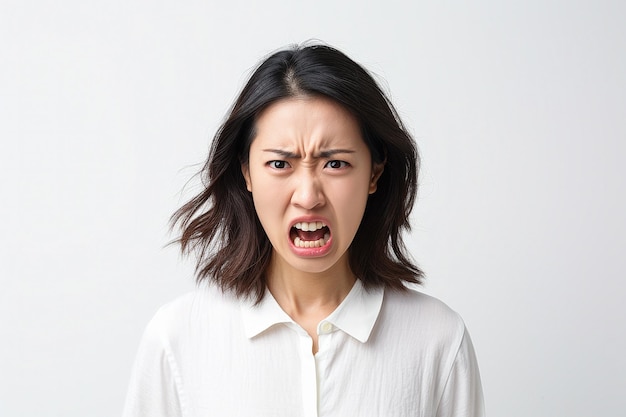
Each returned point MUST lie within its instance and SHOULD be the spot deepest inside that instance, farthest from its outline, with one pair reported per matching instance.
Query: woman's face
(310, 174)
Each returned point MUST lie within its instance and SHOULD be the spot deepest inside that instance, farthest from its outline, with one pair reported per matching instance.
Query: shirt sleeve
(463, 395)
(154, 389)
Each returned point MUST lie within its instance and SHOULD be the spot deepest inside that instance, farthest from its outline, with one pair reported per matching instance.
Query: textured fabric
(381, 353)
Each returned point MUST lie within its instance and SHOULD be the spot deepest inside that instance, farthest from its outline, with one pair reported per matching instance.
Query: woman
(308, 187)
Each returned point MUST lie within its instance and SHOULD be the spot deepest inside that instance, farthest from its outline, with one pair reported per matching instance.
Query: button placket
(309, 377)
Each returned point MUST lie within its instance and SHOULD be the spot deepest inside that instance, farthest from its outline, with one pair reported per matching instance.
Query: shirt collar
(356, 315)
(260, 317)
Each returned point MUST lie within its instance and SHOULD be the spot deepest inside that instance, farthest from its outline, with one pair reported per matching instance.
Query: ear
(245, 170)
(377, 171)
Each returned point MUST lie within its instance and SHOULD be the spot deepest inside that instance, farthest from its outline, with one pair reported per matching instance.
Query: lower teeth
(299, 243)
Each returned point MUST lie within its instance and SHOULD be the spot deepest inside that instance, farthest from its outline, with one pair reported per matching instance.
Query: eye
(336, 164)
(278, 164)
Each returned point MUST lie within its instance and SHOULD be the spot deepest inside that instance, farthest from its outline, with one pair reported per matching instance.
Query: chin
(317, 265)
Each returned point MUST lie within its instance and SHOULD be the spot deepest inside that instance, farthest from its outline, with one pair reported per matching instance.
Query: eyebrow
(322, 154)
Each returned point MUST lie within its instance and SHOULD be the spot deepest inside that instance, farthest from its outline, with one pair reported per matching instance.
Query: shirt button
(327, 327)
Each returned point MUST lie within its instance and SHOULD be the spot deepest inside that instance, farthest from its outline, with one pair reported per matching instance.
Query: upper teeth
(309, 227)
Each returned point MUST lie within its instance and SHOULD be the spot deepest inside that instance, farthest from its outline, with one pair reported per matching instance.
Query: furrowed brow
(331, 152)
(283, 153)
(322, 154)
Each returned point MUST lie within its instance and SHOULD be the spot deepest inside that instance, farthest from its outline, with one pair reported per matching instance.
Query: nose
(308, 192)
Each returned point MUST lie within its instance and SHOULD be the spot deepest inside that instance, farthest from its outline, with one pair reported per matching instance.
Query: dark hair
(221, 225)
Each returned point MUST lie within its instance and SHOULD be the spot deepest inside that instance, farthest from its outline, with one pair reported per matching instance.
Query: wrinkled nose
(308, 191)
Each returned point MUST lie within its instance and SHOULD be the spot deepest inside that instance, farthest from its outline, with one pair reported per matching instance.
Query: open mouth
(310, 234)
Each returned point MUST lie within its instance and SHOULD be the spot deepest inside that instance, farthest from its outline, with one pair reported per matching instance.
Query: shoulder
(422, 316)
(433, 337)
(203, 310)
(413, 302)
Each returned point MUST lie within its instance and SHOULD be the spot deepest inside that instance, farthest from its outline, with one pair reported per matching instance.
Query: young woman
(306, 311)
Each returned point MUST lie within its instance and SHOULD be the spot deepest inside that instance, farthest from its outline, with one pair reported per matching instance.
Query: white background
(519, 111)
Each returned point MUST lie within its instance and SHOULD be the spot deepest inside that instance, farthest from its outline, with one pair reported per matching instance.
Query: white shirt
(381, 353)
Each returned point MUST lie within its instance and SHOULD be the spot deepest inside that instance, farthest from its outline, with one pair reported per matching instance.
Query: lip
(310, 252)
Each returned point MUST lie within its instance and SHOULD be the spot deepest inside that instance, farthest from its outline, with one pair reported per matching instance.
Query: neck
(309, 295)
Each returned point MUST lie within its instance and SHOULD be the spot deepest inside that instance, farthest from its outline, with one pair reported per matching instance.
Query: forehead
(307, 122)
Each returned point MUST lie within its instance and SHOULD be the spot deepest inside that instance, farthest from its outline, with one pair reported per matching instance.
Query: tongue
(313, 236)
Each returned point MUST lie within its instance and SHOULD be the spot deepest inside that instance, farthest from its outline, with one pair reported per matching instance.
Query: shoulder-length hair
(220, 224)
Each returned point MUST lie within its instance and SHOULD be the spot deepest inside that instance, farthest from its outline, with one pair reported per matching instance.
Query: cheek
(258, 184)
(349, 201)
(266, 213)
(268, 200)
